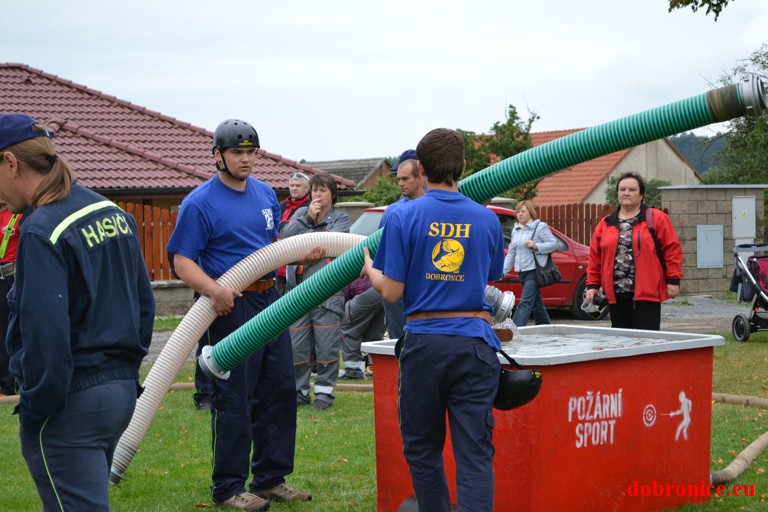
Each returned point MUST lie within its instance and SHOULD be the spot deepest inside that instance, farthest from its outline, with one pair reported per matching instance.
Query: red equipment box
(622, 422)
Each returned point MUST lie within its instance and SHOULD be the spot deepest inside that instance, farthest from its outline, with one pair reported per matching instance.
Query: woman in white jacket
(531, 238)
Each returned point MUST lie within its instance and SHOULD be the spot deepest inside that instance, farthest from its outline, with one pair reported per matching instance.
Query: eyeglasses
(299, 175)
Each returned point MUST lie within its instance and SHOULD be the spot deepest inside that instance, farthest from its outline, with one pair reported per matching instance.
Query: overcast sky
(338, 79)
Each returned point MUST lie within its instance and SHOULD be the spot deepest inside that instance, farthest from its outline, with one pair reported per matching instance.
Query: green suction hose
(718, 105)
(289, 308)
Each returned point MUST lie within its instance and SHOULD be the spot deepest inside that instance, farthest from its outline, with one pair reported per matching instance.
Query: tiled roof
(116, 145)
(574, 184)
(356, 170)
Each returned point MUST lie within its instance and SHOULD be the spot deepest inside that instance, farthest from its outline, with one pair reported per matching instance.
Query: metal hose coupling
(754, 95)
(501, 302)
(747, 97)
(206, 363)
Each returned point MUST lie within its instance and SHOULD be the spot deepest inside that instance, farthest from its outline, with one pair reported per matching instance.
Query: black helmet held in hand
(517, 387)
(235, 133)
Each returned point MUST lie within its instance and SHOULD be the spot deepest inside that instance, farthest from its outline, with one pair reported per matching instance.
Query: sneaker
(348, 377)
(284, 492)
(244, 501)
(320, 405)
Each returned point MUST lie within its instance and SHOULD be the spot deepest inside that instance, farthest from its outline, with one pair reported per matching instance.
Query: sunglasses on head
(299, 175)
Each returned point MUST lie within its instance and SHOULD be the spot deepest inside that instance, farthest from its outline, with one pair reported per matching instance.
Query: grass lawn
(335, 456)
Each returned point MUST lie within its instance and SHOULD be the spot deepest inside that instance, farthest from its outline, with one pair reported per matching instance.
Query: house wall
(162, 202)
(653, 160)
(370, 182)
(694, 206)
(354, 208)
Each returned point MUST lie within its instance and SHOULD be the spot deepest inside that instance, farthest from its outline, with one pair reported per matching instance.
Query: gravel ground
(700, 314)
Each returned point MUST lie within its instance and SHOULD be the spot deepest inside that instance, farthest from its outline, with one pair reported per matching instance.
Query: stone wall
(354, 208)
(172, 298)
(692, 206)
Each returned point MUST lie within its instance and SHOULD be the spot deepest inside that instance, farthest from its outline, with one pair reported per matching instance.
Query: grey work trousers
(319, 329)
(363, 321)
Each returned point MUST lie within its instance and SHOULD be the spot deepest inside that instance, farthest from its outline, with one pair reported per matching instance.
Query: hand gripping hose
(194, 324)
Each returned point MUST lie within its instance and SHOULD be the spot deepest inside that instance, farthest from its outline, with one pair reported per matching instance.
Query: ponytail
(38, 155)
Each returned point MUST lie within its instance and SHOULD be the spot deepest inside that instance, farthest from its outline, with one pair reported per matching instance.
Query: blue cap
(15, 128)
(408, 154)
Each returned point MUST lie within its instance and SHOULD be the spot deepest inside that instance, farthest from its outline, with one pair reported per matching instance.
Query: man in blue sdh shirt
(438, 253)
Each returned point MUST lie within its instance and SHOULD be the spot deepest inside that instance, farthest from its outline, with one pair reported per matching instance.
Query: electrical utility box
(744, 219)
(709, 246)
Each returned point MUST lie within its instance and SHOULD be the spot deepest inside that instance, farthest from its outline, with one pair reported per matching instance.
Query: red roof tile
(574, 184)
(116, 145)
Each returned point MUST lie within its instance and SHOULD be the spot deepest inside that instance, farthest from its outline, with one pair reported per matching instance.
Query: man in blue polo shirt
(407, 172)
(438, 253)
(253, 413)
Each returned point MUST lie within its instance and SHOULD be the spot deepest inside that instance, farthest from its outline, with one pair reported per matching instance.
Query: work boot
(284, 492)
(244, 501)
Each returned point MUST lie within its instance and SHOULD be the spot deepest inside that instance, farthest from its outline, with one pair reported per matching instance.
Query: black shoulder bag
(549, 273)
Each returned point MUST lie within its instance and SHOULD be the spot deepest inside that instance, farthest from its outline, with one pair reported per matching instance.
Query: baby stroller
(750, 281)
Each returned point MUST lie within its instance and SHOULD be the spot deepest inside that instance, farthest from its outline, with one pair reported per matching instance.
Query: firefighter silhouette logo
(685, 411)
(686, 405)
(448, 255)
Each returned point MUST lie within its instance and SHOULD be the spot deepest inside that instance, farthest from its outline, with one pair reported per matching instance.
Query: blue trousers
(530, 303)
(460, 375)
(253, 413)
(70, 456)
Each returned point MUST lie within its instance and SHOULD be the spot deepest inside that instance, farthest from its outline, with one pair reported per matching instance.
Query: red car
(571, 258)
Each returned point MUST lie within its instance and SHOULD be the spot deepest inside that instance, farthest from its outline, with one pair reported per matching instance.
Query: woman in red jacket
(636, 270)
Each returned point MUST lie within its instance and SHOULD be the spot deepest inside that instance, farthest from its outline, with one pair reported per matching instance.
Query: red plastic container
(622, 422)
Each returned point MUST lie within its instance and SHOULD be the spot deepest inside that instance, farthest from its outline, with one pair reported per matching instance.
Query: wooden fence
(576, 221)
(155, 228)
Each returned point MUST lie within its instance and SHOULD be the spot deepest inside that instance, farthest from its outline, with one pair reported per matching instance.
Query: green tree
(505, 139)
(713, 6)
(383, 193)
(700, 150)
(744, 158)
(652, 195)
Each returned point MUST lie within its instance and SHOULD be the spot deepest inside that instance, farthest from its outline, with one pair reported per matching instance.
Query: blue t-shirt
(218, 226)
(445, 248)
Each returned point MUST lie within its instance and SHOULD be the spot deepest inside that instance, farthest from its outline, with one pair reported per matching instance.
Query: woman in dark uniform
(81, 319)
